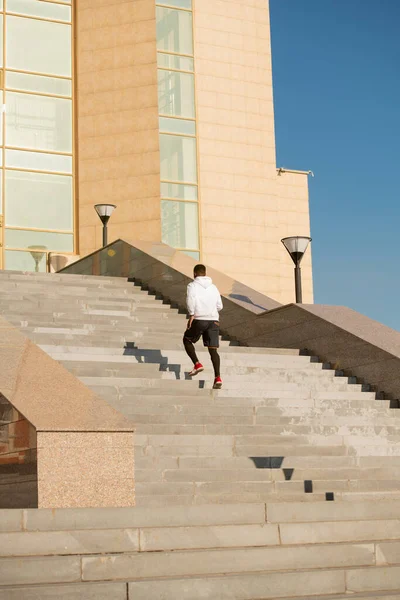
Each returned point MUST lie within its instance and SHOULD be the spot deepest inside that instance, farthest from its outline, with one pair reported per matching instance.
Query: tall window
(37, 131)
(178, 148)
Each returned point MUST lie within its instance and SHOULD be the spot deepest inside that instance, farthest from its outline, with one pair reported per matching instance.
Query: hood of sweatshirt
(205, 282)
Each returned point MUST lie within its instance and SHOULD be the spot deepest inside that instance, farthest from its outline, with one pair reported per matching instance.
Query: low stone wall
(84, 447)
(348, 340)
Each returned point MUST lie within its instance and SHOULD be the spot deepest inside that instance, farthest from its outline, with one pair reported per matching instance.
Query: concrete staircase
(284, 484)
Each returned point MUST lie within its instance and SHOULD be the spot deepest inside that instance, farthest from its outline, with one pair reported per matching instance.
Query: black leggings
(216, 361)
(215, 358)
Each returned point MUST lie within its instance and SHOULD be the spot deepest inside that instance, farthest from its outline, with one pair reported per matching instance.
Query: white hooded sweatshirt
(203, 299)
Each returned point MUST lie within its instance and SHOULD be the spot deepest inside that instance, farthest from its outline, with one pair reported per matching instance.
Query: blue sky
(336, 69)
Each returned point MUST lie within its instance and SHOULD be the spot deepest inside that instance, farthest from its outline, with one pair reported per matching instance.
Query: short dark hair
(199, 271)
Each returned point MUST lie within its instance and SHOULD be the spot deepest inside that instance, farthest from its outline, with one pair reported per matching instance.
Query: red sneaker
(217, 383)
(198, 368)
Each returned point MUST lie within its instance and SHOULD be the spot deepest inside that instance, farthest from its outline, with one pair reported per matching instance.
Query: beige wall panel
(117, 109)
(246, 208)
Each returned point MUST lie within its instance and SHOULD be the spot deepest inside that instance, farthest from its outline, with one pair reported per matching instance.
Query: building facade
(162, 107)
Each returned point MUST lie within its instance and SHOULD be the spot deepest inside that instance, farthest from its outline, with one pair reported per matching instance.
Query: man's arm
(220, 306)
(190, 304)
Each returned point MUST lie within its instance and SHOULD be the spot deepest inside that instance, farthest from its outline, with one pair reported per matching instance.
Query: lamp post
(37, 253)
(105, 211)
(297, 246)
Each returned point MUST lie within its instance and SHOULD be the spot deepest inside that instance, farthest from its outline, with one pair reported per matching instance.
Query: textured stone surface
(369, 580)
(118, 120)
(172, 564)
(64, 519)
(204, 537)
(52, 402)
(39, 570)
(68, 542)
(322, 533)
(243, 587)
(87, 591)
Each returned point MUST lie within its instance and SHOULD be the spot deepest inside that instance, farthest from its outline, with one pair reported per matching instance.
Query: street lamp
(296, 246)
(37, 253)
(104, 211)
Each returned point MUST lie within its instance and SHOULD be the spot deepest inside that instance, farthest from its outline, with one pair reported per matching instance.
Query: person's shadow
(143, 356)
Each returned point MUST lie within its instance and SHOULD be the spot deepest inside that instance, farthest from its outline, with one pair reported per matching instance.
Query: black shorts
(208, 330)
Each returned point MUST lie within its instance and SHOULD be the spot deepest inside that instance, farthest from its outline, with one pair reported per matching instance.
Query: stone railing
(345, 338)
(60, 444)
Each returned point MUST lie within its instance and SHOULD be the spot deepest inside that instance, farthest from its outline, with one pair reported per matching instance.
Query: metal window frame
(4, 147)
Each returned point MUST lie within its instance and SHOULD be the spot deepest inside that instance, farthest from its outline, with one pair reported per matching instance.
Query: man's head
(199, 271)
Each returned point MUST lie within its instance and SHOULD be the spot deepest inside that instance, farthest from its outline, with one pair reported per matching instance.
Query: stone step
(79, 318)
(179, 387)
(118, 351)
(73, 591)
(228, 352)
(32, 520)
(271, 462)
(96, 366)
(177, 538)
(186, 398)
(247, 428)
(356, 477)
(66, 278)
(264, 489)
(94, 369)
(237, 588)
(271, 586)
(122, 364)
(235, 416)
(115, 297)
(187, 563)
(162, 501)
(238, 441)
(328, 568)
(356, 510)
(244, 353)
(193, 449)
(261, 415)
(71, 304)
(233, 348)
(168, 501)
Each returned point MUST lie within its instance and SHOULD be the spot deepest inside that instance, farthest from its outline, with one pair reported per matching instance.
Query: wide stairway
(284, 484)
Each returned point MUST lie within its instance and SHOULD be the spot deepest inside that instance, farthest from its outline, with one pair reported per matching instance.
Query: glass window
(38, 122)
(172, 61)
(174, 30)
(39, 46)
(25, 261)
(38, 83)
(176, 93)
(178, 158)
(178, 126)
(180, 224)
(1, 4)
(1, 39)
(178, 3)
(39, 200)
(37, 8)
(20, 238)
(39, 161)
(1, 195)
(1, 120)
(177, 190)
(195, 255)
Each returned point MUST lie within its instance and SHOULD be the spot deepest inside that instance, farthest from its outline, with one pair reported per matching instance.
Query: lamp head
(296, 246)
(105, 211)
